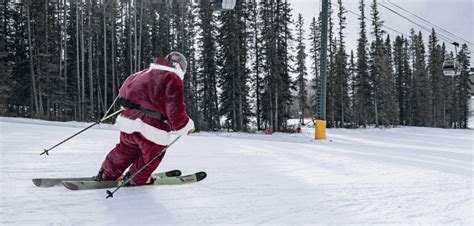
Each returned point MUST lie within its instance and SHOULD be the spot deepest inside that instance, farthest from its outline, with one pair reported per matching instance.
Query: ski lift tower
(320, 123)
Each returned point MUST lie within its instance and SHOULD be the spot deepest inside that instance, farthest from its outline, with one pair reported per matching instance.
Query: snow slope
(366, 176)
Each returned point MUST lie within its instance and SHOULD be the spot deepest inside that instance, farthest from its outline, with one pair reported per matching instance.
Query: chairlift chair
(223, 5)
(451, 68)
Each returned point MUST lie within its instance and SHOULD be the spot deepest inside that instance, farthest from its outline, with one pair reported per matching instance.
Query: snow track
(365, 176)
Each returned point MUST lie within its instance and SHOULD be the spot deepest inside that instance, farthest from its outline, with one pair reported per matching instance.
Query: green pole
(323, 59)
(320, 124)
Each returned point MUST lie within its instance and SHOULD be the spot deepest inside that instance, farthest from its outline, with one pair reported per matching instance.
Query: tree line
(66, 60)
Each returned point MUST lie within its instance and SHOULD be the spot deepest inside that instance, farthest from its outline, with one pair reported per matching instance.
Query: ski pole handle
(46, 151)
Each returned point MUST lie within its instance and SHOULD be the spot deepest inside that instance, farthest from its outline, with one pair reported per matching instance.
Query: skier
(153, 100)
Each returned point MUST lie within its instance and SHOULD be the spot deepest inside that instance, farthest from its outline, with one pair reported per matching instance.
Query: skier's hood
(161, 63)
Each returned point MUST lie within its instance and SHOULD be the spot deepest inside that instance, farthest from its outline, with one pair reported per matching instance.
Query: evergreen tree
(341, 82)
(185, 36)
(314, 53)
(402, 78)
(438, 82)
(377, 72)
(207, 69)
(233, 74)
(390, 108)
(301, 67)
(255, 57)
(421, 101)
(462, 95)
(363, 100)
(7, 62)
(65, 60)
(276, 35)
(352, 84)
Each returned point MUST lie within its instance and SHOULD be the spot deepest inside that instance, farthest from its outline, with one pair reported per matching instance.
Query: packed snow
(405, 175)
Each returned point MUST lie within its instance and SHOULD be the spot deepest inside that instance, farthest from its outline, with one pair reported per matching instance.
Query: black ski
(178, 180)
(50, 182)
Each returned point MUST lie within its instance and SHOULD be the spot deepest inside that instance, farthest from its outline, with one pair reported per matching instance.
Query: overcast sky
(455, 16)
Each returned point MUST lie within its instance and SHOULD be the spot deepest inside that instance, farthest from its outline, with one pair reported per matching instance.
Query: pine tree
(377, 70)
(438, 82)
(421, 101)
(391, 107)
(314, 53)
(7, 63)
(462, 86)
(283, 98)
(341, 92)
(276, 35)
(163, 30)
(207, 69)
(184, 31)
(301, 67)
(402, 78)
(363, 100)
(256, 59)
(233, 74)
(352, 84)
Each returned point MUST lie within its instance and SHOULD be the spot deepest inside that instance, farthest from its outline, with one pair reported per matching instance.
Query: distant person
(154, 107)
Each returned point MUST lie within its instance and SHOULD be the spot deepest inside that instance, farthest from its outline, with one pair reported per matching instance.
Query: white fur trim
(184, 131)
(151, 133)
(177, 71)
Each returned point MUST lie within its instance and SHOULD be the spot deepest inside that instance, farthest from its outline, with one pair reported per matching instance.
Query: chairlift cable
(446, 31)
(441, 36)
(389, 28)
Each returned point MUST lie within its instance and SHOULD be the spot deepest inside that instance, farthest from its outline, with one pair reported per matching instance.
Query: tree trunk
(234, 113)
(140, 37)
(91, 73)
(34, 96)
(277, 119)
(83, 80)
(65, 49)
(78, 100)
(100, 106)
(376, 109)
(135, 30)
(61, 36)
(130, 56)
(105, 57)
(114, 77)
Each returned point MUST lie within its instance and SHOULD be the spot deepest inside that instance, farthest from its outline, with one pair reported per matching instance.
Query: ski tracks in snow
(365, 176)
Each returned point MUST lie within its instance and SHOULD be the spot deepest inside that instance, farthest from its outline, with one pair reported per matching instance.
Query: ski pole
(46, 151)
(110, 194)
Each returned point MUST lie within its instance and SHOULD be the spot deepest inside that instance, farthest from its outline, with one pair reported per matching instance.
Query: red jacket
(159, 88)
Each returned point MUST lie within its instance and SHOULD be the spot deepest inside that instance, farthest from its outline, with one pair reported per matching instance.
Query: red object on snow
(298, 130)
(268, 132)
(160, 89)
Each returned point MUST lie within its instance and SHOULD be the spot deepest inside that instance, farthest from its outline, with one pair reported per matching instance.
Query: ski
(51, 182)
(178, 180)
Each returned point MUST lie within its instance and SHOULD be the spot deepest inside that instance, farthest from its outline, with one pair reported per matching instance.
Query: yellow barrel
(320, 129)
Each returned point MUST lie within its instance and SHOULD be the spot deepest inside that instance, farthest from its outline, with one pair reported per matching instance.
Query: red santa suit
(159, 89)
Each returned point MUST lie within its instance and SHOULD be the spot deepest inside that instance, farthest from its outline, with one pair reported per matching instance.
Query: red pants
(134, 150)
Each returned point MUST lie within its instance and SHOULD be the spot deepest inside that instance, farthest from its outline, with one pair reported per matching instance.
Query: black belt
(129, 104)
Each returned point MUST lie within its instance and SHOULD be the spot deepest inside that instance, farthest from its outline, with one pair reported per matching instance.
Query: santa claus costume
(154, 108)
